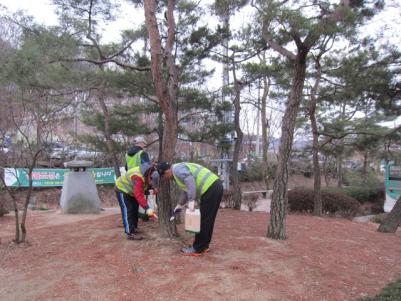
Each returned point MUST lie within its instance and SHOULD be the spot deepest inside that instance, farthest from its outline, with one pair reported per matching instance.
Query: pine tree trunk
(365, 168)
(278, 212)
(339, 171)
(160, 131)
(317, 200)
(265, 126)
(17, 227)
(340, 153)
(393, 220)
(237, 196)
(165, 202)
(166, 92)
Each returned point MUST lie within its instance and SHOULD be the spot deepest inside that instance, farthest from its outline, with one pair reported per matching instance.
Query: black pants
(209, 204)
(129, 211)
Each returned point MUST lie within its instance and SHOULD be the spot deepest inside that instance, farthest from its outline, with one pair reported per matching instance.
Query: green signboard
(18, 177)
(103, 175)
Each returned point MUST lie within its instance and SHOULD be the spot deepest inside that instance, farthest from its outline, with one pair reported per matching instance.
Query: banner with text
(48, 177)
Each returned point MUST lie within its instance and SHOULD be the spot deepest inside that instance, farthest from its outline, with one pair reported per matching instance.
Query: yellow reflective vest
(133, 161)
(124, 182)
(204, 178)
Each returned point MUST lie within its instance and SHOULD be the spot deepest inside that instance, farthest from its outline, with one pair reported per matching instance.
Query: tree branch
(102, 62)
(275, 46)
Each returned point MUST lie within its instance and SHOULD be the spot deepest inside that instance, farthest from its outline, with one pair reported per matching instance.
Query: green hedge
(254, 172)
(300, 199)
(363, 194)
(356, 178)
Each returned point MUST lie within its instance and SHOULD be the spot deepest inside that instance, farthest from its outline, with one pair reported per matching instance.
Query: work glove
(176, 210)
(191, 205)
(151, 213)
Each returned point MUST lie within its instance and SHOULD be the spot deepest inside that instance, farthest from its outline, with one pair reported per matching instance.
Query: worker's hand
(191, 205)
(177, 209)
(151, 213)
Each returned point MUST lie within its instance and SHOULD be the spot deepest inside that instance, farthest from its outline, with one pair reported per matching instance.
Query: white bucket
(192, 221)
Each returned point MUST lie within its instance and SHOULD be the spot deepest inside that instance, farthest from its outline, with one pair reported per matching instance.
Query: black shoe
(133, 236)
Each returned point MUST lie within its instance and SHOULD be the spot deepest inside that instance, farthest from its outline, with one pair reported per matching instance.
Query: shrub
(366, 194)
(254, 172)
(333, 202)
(363, 194)
(250, 199)
(339, 203)
(301, 167)
(391, 292)
(300, 199)
(356, 178)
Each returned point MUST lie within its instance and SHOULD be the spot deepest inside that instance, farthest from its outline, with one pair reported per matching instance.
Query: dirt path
(87, 258)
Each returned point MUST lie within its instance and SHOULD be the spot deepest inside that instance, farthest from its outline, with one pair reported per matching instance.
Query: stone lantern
(79, 193)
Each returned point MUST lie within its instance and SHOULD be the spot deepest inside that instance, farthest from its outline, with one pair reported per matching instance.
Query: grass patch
(40, 208)
(379, 218)
(392, 292)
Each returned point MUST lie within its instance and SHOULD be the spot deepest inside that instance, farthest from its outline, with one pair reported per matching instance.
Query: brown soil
(86, 257)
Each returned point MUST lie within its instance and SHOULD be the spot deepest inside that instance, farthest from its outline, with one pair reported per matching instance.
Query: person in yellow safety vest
(130, 190)
(136, 155)
(196, 183)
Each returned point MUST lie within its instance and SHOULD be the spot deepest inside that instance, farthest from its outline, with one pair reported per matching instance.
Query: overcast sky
(43, 12)
(386, 24)
(40, 9)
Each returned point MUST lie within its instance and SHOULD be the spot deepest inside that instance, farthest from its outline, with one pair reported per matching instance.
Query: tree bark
(317, 200)
(340, 153)
(28, 196)
(365, 167)
(339, 170)
(166, 92)
(265, 126)
(17, 227)
(393, 220)
(160, 131)
(237, 196)
(278, 212)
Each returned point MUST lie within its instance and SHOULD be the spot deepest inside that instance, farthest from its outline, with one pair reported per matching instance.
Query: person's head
(164, 170)
(140, 141)
(151, 175)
